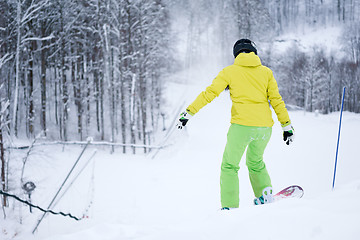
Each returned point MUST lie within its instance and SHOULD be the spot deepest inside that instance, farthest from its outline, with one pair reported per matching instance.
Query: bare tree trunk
(17, 76)
(2, 167)
(31, 89)
(56, 89)
(143, 105)
(97, 78)
(96, 89)
(76, 82)
(144, 118)
(102, 120)
(43, 84)
(88, 94)
(64, 90)
(4, 203)
(132, 112)
(108, 80)
(2, 158)
(65, 95)
(123, 114)
(97, 99)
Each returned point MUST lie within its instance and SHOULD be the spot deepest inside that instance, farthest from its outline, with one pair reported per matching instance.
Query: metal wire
(40, 208)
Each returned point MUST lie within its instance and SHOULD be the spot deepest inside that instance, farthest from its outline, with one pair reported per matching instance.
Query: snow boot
(267, 197)
(227, 208)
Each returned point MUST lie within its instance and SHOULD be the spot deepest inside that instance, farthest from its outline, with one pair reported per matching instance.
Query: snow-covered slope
(328, 38)
(176, 195)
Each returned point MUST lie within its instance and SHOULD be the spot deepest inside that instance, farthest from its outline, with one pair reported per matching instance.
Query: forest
(68, 67)
(74, 68)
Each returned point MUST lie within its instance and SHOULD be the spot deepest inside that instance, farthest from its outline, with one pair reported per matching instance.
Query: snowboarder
(251, 87)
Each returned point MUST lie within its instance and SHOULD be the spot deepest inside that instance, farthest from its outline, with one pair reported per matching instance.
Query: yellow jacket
(251, 86)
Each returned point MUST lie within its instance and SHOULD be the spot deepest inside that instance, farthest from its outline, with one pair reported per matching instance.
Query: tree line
(314, 81)
(76, 68)
(311, 78)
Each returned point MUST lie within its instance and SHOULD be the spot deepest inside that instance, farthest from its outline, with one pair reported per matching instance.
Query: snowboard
(289, 192)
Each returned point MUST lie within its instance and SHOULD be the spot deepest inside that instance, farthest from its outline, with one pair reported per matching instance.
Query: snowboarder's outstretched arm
(217, 86)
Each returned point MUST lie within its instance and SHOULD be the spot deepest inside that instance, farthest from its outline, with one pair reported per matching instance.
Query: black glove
(288, 134)
(184, 118)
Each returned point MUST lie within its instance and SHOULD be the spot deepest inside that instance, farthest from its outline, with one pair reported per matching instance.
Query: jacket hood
(247, 60)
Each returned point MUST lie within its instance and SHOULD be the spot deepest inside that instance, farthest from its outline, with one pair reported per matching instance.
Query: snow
(176, 194)
(326, 38)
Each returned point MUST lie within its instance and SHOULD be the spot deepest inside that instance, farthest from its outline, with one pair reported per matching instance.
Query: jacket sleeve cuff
(286, 124)
(188, 111)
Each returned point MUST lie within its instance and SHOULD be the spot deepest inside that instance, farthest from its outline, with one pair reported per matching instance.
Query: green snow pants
(238, 138)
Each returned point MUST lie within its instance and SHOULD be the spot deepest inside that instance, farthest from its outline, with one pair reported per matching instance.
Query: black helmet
(244, 45)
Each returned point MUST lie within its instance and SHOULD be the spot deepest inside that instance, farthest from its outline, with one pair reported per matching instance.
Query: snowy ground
(308, 39)
(176, 195)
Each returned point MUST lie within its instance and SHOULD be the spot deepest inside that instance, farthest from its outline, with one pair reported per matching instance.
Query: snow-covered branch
(5, 59)
(51, 36)
(32, 10)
